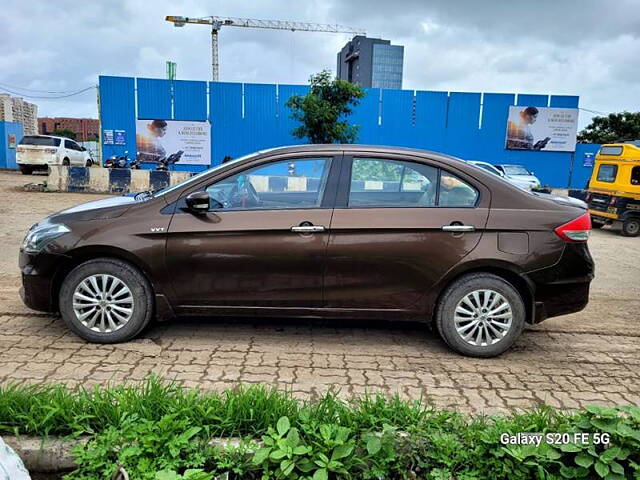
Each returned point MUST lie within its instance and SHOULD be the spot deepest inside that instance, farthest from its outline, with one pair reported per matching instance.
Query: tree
(65, 132)
(615, 127)
(324, 110)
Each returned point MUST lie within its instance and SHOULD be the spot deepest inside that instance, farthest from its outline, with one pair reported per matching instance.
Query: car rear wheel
(631, 227)
(88, 163)
(480, 315)
(66, 162)
(106, 301)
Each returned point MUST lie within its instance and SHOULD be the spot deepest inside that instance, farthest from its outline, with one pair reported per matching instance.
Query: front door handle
(458, 228)
(308, 229)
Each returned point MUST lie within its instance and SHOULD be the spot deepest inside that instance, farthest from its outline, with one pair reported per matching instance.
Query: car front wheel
(106, 301)
(480, 315)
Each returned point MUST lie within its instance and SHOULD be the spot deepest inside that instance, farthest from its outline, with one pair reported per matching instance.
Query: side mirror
(198, 202)
(83, 149)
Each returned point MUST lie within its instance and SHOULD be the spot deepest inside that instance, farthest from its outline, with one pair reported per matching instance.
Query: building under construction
(15, 109)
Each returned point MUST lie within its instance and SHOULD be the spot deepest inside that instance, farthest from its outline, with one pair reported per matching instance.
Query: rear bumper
(35, 166)
(564, 287)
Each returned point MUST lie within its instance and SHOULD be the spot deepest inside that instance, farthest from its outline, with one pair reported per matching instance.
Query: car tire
(631, 227)
(66, 162)
(121, 301)
(460, 314)
(88, 163)
(26, 170)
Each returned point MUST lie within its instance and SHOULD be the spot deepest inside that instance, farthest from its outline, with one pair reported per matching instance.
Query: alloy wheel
(483, 317)
(103, 303)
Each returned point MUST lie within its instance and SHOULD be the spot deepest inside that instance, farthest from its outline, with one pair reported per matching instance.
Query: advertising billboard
(542, 128)
(188, 142)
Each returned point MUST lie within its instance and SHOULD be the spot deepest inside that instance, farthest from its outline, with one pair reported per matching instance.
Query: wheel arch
(505, 270)
(80, 255)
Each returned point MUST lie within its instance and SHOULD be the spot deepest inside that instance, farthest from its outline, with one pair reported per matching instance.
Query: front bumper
(564, 287)
(38, 275)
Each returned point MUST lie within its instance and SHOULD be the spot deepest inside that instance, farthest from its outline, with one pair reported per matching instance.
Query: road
(592, 357)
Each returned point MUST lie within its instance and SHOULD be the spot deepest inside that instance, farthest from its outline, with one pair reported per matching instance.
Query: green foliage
(158, 431)
(64, 132)
(324, 110)
(615, 127)
(189, 474)
(143, 447)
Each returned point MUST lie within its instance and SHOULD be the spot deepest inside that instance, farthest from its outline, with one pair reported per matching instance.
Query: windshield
(197, 176)
(40, 141)
(488, 168)
(515, 170)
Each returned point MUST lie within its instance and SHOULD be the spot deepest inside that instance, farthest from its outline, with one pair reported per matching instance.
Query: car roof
(51, 136)
(355, 147)
(475, 162)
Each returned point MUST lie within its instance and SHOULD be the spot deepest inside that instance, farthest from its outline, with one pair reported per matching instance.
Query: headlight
(40, 235)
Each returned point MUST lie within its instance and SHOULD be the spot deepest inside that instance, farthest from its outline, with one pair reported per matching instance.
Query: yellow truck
(614, 188)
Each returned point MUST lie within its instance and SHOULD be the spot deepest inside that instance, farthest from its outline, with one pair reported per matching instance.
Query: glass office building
(371, 62)
(386, 71)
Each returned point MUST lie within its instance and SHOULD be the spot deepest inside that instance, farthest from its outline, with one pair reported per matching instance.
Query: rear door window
(377, 182)
(40, 141)
(455, 192)
(607, 173)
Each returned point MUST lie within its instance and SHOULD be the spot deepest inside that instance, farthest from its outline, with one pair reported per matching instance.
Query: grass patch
(158, 430)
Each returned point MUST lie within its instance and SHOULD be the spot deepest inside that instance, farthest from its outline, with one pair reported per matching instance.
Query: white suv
(37, 152)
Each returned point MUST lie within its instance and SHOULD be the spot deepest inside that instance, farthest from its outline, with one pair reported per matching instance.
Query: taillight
(50, 150)
(576, 230)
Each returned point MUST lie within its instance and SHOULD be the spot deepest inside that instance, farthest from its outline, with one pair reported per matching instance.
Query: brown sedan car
(339, 231)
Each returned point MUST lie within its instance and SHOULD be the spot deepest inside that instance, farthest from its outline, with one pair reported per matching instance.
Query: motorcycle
(165, 163)
(122, 161)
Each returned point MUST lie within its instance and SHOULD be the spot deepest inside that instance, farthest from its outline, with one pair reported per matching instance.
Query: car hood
(99, 209)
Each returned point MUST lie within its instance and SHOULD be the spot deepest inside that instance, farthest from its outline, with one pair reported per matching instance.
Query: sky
(574, 47)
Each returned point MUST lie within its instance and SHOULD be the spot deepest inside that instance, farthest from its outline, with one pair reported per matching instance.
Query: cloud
(560, 47)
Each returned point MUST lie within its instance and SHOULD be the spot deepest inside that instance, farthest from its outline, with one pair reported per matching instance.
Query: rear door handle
(308, 228)
(458, 228)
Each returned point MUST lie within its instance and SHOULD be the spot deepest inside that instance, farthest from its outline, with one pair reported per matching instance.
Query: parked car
(524, 184)
(340, 231)
(520, 174)
(38, 152)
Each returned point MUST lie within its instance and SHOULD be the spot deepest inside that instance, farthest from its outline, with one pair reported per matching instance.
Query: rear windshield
(515, 170)
(40, 141)
(607, 173)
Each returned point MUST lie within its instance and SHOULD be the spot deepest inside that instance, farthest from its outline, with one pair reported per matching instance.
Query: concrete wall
(106, 180)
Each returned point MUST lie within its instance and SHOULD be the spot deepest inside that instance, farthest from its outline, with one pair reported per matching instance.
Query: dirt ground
(589, 357)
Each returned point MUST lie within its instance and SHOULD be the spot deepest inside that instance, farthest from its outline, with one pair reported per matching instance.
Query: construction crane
(218, 22)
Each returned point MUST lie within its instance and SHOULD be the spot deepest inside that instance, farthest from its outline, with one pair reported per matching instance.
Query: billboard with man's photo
(189, 143)
(542, 128)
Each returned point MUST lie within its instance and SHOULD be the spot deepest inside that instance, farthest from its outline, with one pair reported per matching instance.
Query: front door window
(287, 184)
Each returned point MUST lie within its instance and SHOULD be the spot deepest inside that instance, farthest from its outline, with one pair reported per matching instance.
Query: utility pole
(218, 22)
